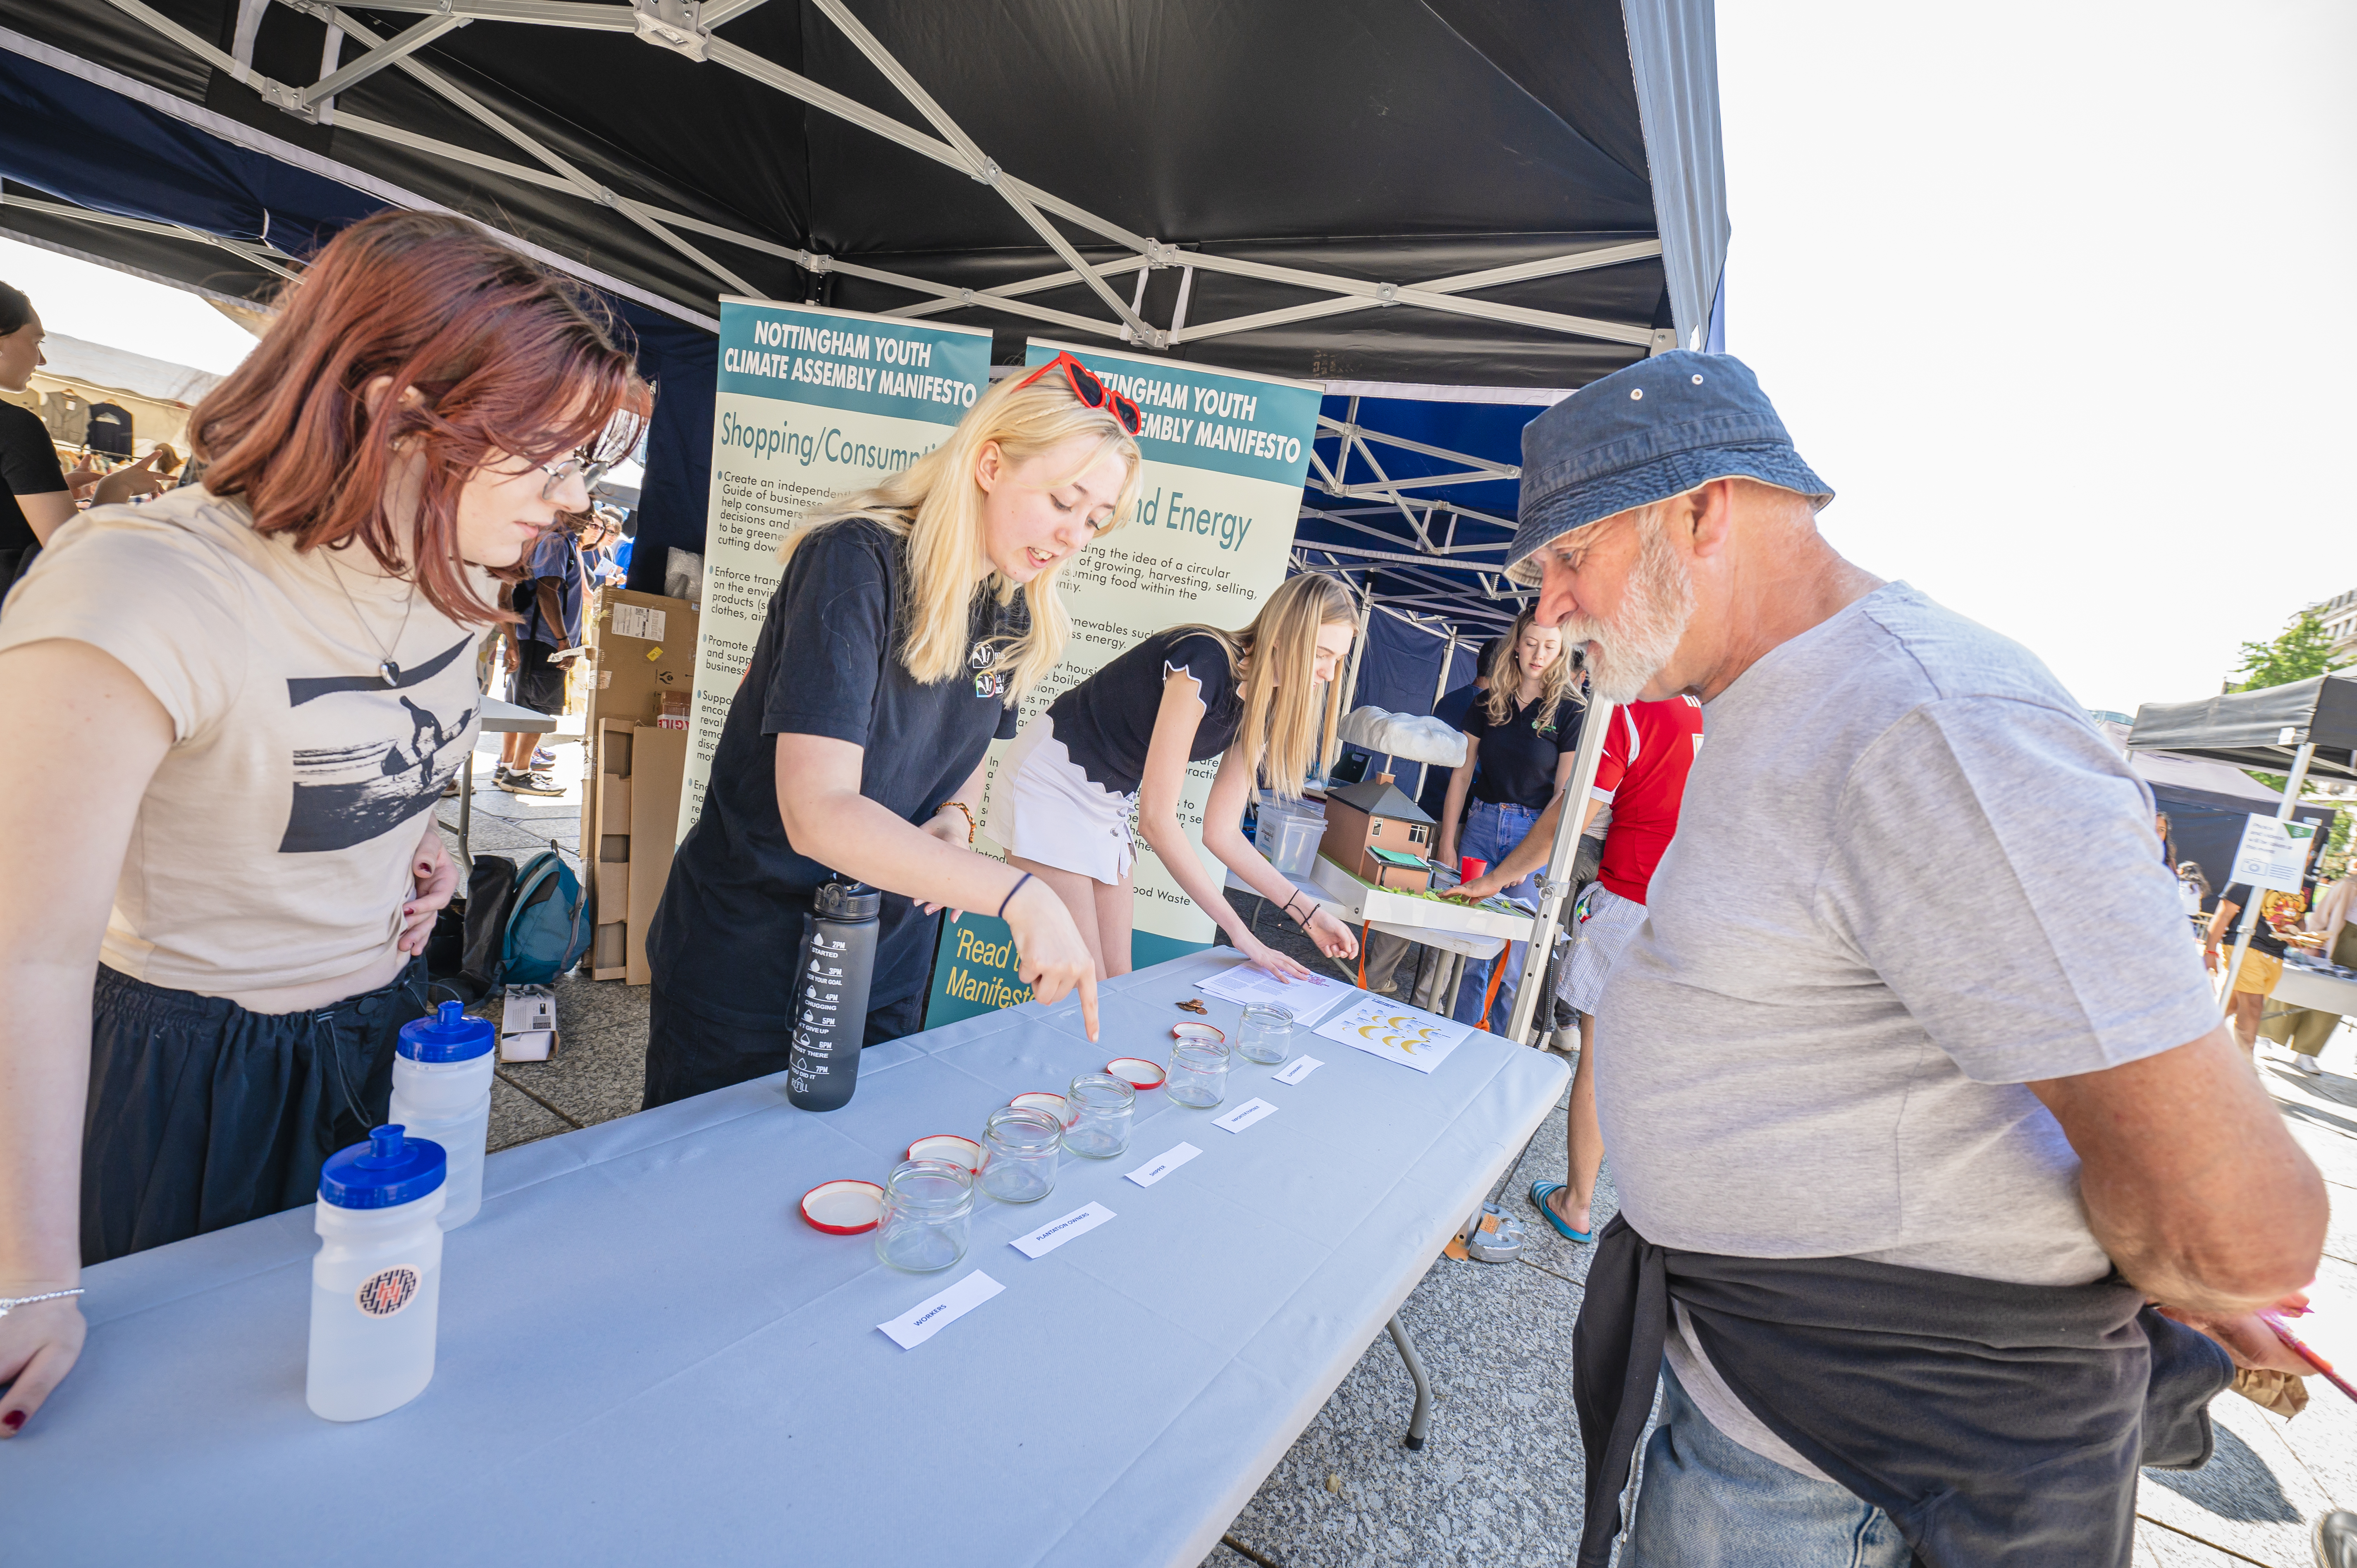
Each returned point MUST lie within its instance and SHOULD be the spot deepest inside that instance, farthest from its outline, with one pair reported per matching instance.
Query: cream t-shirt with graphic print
(272, 845)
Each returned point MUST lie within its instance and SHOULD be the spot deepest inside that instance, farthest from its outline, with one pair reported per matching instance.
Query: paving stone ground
(1497, 1483)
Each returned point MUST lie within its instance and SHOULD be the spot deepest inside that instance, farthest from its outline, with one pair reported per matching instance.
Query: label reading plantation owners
(811, 403)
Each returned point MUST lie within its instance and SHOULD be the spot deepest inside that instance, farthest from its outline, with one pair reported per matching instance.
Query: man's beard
(1629, 650)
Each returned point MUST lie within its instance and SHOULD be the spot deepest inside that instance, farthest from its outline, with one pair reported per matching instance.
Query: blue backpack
(548, 926)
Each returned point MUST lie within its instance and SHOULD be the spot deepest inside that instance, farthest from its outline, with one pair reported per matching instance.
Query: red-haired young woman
(230, 713)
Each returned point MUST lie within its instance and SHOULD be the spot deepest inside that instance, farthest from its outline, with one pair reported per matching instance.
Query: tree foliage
(2305, 649)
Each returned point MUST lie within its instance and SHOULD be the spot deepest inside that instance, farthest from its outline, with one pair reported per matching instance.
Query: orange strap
(1497, 973)
(1363, 956)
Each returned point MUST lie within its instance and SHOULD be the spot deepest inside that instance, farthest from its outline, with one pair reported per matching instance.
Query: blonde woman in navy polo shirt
(1519, 738)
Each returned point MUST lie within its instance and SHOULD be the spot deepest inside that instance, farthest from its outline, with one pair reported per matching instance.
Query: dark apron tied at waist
(1996, 1423)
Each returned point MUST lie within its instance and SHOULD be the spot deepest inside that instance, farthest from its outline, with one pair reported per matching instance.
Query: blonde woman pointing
(1122, 740)
(910, 618)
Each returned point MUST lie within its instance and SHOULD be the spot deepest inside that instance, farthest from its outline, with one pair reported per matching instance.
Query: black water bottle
(838, 960)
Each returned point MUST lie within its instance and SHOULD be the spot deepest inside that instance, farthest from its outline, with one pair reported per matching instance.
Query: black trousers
(203, 1115)
(690, 1052)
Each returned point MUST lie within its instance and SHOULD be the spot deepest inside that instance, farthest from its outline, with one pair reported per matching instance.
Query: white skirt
(1044, 809)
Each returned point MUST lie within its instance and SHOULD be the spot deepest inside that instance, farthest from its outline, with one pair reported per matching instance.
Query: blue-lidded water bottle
(442, 1091)
(376, 1283)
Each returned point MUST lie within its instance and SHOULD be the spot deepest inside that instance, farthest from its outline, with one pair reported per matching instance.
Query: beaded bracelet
(962, 811)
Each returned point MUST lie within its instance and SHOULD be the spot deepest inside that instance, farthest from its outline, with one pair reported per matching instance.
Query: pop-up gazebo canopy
(2267, 729)
(1449, 211)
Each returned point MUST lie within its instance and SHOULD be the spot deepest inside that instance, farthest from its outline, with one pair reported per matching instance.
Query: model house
(1378, 836)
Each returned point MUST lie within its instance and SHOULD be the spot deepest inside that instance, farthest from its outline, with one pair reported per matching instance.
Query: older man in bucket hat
(1905, 1139)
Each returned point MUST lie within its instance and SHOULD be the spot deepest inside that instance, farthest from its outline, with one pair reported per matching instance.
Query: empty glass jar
(1199, 1072)
(1096, 1116)
(1266, 1036)
(927, 1208)
(1020, 1149)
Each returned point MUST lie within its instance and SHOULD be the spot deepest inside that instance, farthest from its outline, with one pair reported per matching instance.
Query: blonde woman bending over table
(1122, 739)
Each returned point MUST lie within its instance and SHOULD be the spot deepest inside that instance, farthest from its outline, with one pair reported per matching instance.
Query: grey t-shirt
(1909, 878)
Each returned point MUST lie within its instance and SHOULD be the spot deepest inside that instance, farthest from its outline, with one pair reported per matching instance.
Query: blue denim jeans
(1490, 833)
(1704, 1501)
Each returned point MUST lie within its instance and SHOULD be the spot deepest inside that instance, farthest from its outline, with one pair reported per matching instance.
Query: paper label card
(1161, 1166)
(1056, 1232)
(935, 1313)
(1245, 1115)
(1297, 1068)
(1306, 999)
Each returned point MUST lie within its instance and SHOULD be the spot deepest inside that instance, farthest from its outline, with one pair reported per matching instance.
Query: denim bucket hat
(1658, 429)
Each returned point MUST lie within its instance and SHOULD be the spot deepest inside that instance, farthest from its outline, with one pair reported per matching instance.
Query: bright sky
(81, 299)
(2057, 296)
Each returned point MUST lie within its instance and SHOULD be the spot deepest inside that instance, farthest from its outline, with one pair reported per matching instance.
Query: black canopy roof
(1249, 158)
(1450, 213)
(2261, 729)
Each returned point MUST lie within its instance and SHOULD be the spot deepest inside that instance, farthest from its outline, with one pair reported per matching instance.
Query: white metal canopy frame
(691, 30)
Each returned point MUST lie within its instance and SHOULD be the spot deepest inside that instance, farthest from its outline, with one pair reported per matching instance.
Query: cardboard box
(614, 747)
(644, 645)
(613, 804)
(527, 1024)
(612, 891)
(609, 951)
(658, 768)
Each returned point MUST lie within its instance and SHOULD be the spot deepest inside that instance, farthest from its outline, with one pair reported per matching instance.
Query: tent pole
(2291, 790)
(1359, 644)
(1439, 690)
(1593, 727)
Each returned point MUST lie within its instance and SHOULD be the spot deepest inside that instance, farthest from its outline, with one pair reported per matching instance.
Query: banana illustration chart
(1396, 1032)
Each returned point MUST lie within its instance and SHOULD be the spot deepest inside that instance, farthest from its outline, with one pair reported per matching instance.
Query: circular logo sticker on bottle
(387, 1291)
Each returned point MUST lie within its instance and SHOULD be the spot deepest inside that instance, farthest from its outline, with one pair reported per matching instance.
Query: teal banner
(1246, 425)
(843, 358)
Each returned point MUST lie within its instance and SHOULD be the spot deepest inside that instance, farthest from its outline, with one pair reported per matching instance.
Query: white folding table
(646, 1356)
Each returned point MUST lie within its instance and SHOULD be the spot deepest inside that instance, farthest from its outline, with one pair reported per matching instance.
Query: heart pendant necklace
(387, 670)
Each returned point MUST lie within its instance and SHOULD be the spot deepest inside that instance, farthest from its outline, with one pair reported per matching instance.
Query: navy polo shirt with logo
(826, 663)
(1516, 764)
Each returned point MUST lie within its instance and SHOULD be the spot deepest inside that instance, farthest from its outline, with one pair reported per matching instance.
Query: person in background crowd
(549, 598)
(231, 712)
(1640, 780)
(1520, 740)
(2193, 887)
(1385, 952)
(1454, 706)
(2328, 932)
(34, 498)
(599, 547)
(1886, 1109)
(2262, 965)
(1119, 741)
(855, 745)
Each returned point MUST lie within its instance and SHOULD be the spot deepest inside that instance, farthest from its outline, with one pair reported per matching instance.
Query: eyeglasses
(575, 466)
(1090, 392)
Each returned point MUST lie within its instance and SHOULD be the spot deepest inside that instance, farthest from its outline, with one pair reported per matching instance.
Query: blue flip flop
(1540, 1191)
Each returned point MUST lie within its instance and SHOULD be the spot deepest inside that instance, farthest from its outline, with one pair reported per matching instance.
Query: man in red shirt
(1641, 780)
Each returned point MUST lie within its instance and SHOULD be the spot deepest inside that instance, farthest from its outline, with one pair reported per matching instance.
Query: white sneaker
(2303, 1063)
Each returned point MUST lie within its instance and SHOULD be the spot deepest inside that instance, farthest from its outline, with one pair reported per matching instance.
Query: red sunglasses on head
(1090, 392)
